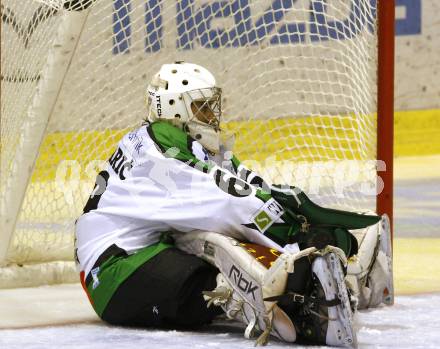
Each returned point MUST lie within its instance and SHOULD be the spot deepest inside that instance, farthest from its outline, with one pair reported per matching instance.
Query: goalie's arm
(171, 185)
(211, 198)
(249, 176)
(208, 197)
(324, 225)
(221, 202)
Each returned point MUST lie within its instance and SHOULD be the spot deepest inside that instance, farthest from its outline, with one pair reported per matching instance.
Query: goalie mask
(186, 95)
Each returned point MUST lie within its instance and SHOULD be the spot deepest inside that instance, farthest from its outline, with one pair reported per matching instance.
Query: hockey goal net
(300, 82)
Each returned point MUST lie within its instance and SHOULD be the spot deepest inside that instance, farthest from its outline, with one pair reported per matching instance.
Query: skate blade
(345, 315)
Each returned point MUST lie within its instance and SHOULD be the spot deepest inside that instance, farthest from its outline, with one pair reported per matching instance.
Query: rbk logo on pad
(243, 284)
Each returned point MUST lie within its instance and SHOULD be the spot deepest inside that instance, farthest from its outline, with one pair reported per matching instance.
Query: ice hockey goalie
(177, 231)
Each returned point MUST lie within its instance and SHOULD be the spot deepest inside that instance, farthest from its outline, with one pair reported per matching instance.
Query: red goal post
(385, 104)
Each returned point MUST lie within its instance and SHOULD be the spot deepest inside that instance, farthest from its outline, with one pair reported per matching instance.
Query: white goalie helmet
(186, 95)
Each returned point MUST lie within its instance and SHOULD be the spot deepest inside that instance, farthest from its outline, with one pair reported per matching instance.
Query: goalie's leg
(243, 283)
(326, 315)
(370, 272)
(312, 299)
(164, 292)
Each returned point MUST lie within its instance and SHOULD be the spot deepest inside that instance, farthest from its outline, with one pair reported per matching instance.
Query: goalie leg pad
(370, 273)
(248, 291)
(244, 283)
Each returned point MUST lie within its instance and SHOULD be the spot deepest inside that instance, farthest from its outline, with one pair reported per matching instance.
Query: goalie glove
(318, 226)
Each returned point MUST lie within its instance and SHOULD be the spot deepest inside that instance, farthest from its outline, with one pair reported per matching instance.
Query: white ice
(54, 322)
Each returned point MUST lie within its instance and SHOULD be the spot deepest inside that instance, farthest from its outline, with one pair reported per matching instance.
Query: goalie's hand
(313, 225)
(296, 201)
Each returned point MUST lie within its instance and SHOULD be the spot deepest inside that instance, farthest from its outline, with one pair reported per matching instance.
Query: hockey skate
(370, 273)
(325, 316)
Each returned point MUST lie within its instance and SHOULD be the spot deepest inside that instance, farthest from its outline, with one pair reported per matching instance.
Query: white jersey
(159, 180)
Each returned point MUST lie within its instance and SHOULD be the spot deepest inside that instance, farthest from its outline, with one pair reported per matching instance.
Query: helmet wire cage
(206, 106)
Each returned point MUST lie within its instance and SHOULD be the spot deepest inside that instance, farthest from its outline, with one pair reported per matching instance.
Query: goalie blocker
(295, 297)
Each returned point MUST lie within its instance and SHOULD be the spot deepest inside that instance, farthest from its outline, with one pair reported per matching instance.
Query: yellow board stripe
(81, 147)
(299, 139)
(302, 138)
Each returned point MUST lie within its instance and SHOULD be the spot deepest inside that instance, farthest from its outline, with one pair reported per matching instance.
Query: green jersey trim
(235, 162)
(263, 195)
(175, 143)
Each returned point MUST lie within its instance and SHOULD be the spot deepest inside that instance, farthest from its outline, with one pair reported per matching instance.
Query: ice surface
(411, 323)
(417, 197)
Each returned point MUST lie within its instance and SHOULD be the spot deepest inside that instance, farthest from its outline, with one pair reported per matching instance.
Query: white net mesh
(299, 82)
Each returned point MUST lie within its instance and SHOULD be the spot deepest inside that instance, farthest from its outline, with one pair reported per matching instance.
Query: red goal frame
(385, 104)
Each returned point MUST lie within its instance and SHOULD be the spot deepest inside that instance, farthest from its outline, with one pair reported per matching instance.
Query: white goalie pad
(251, 281)
(244, 283)
(370, 273)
